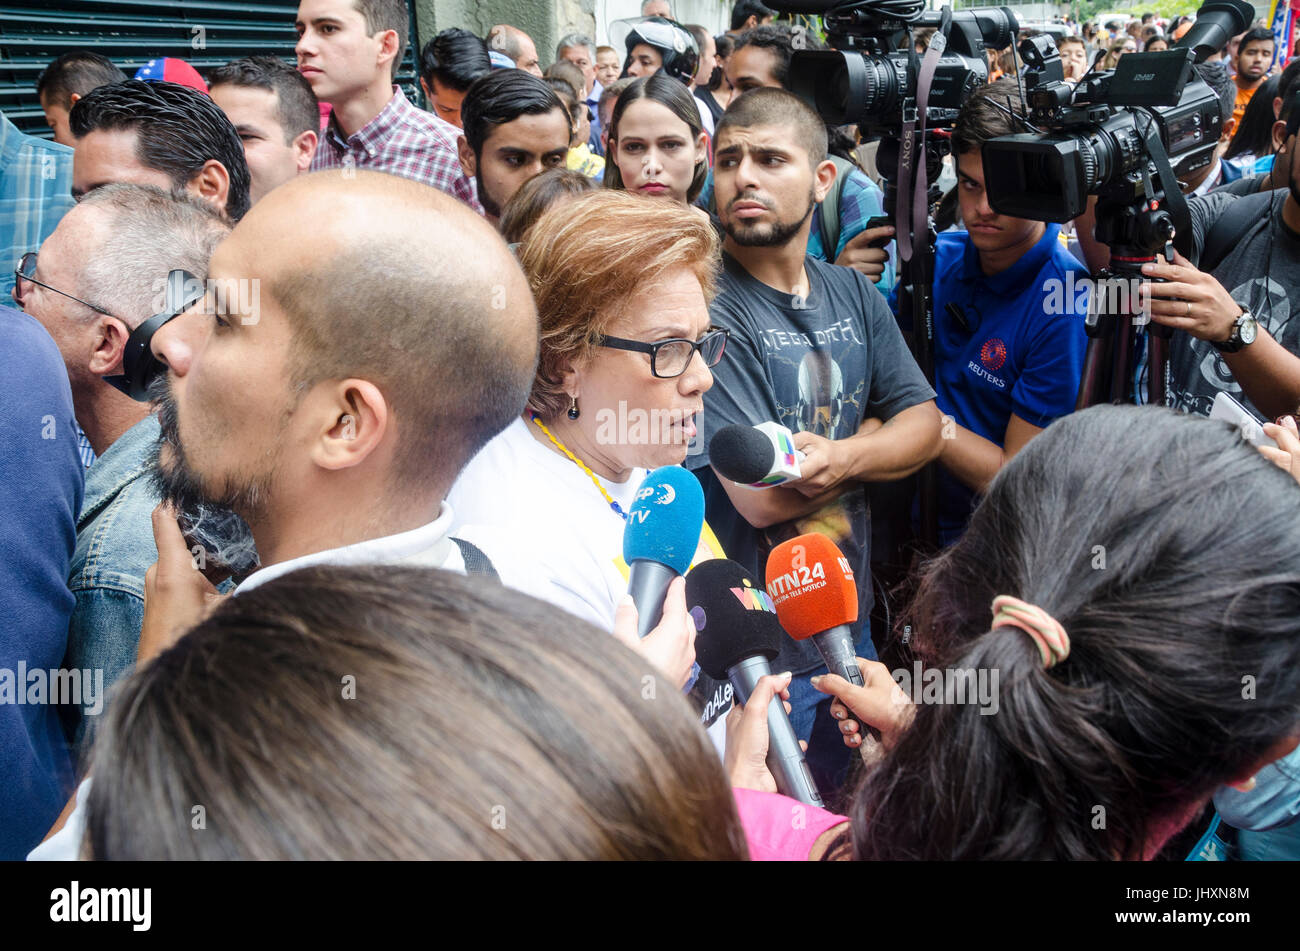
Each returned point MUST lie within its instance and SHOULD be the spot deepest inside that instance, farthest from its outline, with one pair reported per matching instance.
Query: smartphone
(879, 221)
(1229, 410)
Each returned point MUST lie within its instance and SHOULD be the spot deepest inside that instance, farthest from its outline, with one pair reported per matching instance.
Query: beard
(208, 521)
(771, 235)
(484, 199)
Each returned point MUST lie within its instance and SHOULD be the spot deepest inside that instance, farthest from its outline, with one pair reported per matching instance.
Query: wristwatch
(1244, 329)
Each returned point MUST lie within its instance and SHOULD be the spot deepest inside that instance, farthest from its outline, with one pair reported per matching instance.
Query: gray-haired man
(579, 50)
(96, 278)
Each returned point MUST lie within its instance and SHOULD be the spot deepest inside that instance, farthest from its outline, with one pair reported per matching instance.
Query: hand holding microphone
(738, 636)
(879, 702)
(671, 645)
(816, 596)
(745, 762)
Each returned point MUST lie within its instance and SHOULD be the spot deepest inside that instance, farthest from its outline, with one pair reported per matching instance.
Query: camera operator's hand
(1191, 300)
(866, 260)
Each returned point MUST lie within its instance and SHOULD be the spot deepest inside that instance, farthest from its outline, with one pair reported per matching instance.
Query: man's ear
(1229, 127)
(388, 45)
(304, 147)
(823, 180)
(351, 417)
(110, 340)
(428, 93)
(212, 184)
(74, 98)
(1279, 134)
(468, 163)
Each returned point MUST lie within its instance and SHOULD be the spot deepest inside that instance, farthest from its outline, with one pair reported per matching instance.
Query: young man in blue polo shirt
(1009, 322)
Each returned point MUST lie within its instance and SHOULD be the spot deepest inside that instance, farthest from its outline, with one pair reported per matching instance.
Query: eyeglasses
(26, 271)
(670, 358)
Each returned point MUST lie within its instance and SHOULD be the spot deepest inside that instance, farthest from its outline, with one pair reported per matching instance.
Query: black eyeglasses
(670, 358)
(26, 271)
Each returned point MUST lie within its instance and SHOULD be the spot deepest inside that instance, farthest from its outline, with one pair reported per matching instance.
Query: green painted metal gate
(206, 33)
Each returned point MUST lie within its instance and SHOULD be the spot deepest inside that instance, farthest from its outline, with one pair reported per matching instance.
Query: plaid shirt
(401, 140)
(35, 192)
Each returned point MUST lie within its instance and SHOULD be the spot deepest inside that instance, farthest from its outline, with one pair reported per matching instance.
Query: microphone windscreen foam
(811, 586)
(741, 453)
(733, 616)
(665, 520)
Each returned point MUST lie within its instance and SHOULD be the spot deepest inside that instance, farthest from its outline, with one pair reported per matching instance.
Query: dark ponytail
(1169, 550)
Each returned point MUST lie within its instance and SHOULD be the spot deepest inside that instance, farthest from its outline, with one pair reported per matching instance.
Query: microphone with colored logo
(660, 539)
(757, 456)
(815, 596)
(738, 636)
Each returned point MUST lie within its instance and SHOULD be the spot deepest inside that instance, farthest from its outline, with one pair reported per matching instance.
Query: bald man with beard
(372, 334)
(394, 336)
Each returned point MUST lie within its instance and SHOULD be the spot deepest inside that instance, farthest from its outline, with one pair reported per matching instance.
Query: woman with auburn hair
(1144, 638)
(402, 713)
(626, 345)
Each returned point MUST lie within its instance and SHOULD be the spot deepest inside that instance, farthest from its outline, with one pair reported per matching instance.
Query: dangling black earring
(573, 408)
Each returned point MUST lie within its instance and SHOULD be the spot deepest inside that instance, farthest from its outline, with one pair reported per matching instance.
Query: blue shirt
(40, 495)
(35, 192)
(860, 200)
(1022, 355)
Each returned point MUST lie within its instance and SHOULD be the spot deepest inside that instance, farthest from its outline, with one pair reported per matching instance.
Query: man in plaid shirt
(349, 51)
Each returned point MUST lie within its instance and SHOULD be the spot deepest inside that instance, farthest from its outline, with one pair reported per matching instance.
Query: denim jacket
(115, 547)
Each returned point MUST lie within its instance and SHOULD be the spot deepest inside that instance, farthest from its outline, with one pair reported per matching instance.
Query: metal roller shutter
(206, 33)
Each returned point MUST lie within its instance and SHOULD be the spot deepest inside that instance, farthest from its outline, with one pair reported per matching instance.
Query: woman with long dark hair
(657, 146)
(1142, 626)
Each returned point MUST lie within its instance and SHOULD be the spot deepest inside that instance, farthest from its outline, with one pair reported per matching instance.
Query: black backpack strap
(476, 563)
(1230, 228)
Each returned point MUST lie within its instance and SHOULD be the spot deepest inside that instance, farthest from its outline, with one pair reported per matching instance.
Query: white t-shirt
(560, 528)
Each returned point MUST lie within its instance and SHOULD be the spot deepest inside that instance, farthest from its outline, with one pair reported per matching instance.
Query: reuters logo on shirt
(993, 354)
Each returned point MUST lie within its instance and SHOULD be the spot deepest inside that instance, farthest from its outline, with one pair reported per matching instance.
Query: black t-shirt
(1262, 273)
(822, 364)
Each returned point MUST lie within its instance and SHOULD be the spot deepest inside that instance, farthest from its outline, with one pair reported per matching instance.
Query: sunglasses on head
(139, 365)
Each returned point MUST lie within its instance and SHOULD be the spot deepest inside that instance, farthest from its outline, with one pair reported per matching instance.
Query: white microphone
(757, 456)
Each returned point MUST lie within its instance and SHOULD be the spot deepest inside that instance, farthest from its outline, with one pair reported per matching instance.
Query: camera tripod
(1115, 324)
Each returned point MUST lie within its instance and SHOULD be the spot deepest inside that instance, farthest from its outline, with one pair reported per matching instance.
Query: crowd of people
(326, 414)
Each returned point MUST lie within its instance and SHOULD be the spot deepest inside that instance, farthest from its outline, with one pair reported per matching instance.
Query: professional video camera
(1124, 135)
(1110, 134)
(872, 72)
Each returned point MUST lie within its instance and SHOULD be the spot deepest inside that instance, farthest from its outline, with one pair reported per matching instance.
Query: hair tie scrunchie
(1047, 632)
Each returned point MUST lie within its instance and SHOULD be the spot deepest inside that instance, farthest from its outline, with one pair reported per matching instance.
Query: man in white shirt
(371, 335)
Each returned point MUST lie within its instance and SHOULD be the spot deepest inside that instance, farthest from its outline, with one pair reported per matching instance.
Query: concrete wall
(544, 20)
(547, 20)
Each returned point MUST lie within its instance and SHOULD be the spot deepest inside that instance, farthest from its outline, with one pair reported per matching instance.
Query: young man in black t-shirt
(815, 348)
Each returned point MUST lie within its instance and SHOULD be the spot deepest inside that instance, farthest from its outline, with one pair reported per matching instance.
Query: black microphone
(738, 636)
(757, 456)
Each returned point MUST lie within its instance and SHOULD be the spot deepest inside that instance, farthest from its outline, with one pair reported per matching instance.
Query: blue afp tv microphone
(660, 538)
